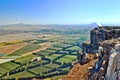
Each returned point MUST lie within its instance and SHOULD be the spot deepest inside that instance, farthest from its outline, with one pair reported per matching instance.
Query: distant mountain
(95, 25)
(31, 27)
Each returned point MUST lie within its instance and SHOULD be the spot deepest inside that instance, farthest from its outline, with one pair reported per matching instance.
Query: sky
(59, 11)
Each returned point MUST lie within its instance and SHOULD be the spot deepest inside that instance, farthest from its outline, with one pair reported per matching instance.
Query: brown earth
(79, 72)
(11, 48)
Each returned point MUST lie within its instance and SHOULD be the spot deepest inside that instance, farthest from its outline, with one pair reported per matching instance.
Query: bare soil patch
(11, 48)
(79, 72)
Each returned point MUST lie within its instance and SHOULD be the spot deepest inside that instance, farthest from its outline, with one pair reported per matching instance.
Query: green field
(62, 60)
(61, 45)
(63, 52)
(43, 53)
(51, 65)
(70, 57)
(67, 59)
(75, 53)
(25, 49)
(44, 68)
(55, 48)
(53, 56)
(63, 49)
(6, 67)
(24, 59)
(50, 51)
(35, 63)
(39, 70)
(74, 48)
(19, 75)
(39, 62)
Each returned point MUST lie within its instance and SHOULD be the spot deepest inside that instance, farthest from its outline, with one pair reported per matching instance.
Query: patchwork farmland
(55, 60)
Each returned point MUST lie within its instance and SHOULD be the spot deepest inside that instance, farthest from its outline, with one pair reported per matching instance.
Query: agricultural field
(19, 75)
(43, 53)
(11, 42)
(25, 49)
(51, 65)
(67, 59)
(62, 45)
(55, 48)
(39, 70)
(53, 56)
(51, 62)
(6, 67)
(11, 48)
(74, 48)
(24, 59)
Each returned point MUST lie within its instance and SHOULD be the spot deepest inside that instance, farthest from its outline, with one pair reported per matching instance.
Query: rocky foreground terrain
(100, 57)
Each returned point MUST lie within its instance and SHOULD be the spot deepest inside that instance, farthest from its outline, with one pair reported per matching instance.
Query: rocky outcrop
(104, 33)
(104, 44)
(106, 40)
(100, 34)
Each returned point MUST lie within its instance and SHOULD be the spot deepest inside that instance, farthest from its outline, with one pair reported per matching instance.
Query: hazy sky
(59, 11)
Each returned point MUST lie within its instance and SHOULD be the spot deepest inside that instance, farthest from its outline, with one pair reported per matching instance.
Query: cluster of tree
(2, 75)
(28, 41)
(47, 59)
(58, 57)
(50, 70)
(59, 63)
(16, 70)
(39, 41)
(46, 74)
(33, 66)
(64, 65)
(37, 65)
(63, 72)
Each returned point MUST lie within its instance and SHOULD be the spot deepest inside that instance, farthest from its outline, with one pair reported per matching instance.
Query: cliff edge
(100, 57)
